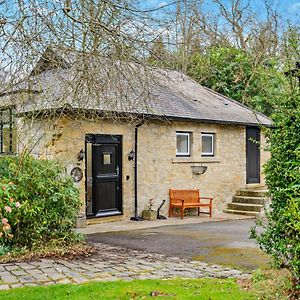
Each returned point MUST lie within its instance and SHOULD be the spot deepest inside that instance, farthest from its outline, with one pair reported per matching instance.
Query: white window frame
(188, 153)
(8, 124)
(212, 136)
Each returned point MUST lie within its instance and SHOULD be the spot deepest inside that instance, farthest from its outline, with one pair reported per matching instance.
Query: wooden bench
(188, 199)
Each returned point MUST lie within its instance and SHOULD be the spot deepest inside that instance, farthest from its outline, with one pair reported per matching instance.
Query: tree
(100, 47)
(236, 74)
(118, 30)
(159, 56)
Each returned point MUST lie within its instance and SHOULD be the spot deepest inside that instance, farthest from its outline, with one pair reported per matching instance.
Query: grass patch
(54, 250)
(138, 289)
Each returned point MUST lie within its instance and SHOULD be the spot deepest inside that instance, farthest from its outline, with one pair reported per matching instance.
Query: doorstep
(133, 225)
(104, 220)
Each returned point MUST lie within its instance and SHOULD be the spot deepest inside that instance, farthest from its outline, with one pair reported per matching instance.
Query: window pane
(207, 144)
(6, 138)
(106, 158)
(182, 144)
(14, 140)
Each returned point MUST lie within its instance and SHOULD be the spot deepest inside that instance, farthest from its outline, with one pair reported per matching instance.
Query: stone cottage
(132, 139)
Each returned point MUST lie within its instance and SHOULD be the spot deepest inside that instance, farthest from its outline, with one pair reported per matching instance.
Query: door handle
(118, 170)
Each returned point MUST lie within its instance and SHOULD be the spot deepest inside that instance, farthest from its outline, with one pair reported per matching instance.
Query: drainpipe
(136, 217)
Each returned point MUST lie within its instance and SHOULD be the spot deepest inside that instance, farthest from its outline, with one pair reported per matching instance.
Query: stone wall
(158, 167)
(161, 170)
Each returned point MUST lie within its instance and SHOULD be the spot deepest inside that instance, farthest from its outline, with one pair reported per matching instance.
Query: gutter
(136, 217)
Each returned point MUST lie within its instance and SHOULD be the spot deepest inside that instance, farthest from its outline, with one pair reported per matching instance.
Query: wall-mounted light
(131, 155)
(199, 170)
(80, 156)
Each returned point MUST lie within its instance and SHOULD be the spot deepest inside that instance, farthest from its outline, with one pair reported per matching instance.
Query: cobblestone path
(108, 264)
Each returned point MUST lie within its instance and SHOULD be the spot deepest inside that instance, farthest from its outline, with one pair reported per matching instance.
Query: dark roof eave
(221, 122)
(151, 117)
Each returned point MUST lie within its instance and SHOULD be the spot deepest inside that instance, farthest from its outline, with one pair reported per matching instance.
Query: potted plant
(150, 214)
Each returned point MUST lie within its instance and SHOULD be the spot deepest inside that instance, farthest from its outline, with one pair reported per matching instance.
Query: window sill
(191, 160)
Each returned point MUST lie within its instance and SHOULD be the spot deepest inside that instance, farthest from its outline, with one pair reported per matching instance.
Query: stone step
(250, 200)
(252, 193)
(241, 212)
(255, 186)
(245, 207)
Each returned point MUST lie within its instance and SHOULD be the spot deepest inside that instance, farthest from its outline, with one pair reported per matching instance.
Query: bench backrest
(189, 196)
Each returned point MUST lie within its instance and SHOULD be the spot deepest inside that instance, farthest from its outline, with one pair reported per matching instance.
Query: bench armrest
(207, 198)
(177, 200)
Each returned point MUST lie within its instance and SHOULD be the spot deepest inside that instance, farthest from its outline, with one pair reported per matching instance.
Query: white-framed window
(183, 143)
(7, 132)
(208, 144)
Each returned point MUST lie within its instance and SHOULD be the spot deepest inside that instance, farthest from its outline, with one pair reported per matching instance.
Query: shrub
(9, 212)
(39, 203)
(281, 234)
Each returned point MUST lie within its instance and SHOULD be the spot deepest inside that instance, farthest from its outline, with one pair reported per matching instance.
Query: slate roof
(131, 89)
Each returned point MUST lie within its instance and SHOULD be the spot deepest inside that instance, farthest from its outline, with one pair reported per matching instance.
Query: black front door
(106, 158)
(253, 154)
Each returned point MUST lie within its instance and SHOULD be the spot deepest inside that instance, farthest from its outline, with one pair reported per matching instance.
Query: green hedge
(281, 234)
(39, 203)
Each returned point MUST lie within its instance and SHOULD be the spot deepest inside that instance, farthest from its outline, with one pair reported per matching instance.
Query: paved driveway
(189, 251)
(109, 263)
(225, 242)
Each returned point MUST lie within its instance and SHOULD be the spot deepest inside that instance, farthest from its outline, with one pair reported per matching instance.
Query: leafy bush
(9, 211)
(39, 203)
(281, 235)
(236, 74)
(4, 250)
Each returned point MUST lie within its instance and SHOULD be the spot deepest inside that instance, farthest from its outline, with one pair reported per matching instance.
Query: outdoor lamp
(131, 155)
(80, 155)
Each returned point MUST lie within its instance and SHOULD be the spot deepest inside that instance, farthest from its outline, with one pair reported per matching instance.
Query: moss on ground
(242, 258)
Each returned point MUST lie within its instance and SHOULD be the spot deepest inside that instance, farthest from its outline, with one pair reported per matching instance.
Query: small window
(7, 132)
(106, 158)
(182, 144)
(208, 140)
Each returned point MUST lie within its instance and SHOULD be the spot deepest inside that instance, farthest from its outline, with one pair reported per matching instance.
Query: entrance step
(241, 212)
(255, 186)
(245, 207)
(252, 192)
(249, 202)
